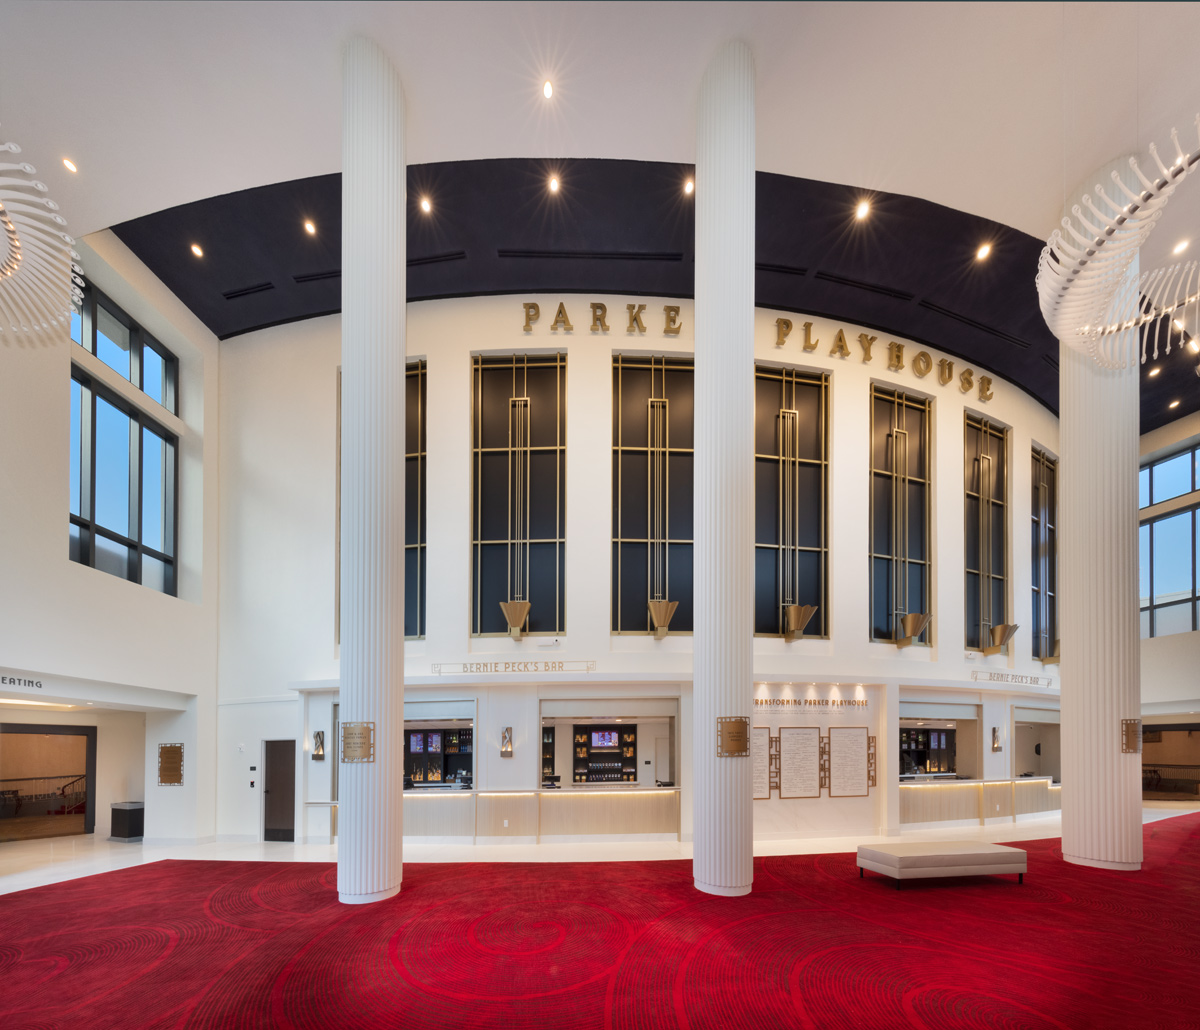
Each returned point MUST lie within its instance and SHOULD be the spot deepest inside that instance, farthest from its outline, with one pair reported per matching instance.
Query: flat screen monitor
(435, 741)
(416, 743)
(604, 738)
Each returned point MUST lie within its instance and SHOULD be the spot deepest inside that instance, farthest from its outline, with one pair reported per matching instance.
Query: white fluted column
(370, 813)
(723, 856)
(1098, 612)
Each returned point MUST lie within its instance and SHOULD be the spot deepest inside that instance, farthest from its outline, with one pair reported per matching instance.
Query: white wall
(278, 474)
(62, 619)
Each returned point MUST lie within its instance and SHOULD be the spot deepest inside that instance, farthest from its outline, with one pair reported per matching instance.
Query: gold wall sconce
(1001, 635)
(912, 626)
(660, 614)
(318, 753)
(1053, 658)
(795, 618)
(506, 742)
(515, 614)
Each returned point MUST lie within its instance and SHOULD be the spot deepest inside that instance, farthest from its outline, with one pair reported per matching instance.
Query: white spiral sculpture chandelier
(41, 281)
(1088, 298)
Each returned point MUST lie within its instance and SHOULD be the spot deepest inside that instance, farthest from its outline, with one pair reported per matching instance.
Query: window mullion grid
(135, 497)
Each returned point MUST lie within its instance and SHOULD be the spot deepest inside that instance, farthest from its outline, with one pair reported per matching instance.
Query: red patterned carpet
(619, 945)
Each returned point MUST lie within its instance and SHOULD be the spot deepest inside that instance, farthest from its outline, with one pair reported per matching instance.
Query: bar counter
(951, 800)
(598, 810)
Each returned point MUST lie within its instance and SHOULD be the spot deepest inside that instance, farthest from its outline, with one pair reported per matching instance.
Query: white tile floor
(34, 863)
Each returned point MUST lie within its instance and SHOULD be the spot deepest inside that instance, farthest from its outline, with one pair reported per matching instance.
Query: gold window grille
(791, 470)
(900, 503)
(518, 492)
(652, 494)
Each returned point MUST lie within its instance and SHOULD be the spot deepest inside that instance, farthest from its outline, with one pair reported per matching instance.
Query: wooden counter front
(568, 813)
(938, 801)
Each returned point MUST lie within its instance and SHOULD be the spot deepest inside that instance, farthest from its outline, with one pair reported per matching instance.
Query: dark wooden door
(279, 791)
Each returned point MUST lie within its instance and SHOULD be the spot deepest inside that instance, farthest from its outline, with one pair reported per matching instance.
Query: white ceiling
(994, 109)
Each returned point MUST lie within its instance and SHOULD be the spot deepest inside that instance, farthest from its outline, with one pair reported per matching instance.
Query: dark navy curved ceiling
(627, 227)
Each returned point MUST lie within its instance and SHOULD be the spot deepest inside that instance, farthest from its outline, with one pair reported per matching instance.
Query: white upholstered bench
(941, 858)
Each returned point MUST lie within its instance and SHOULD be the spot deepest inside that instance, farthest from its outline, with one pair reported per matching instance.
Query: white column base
(366, 899)
(726, 892)
(1097, 863)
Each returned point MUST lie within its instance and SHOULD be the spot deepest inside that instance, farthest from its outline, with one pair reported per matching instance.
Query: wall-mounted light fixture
(795, 618)
(1001, 635)
(318, 753)
(506, 742)
(996, 745)
(660, 615)
(912, 626)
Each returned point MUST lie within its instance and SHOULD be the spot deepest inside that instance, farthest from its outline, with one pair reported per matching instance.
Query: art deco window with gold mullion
(652, 494)
(518, 444)
(985, 508)
(791, 502)
(414, 500)
(1045, 555)
(900, 502)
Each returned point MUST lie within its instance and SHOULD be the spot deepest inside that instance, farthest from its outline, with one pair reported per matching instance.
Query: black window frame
(139, 341)
(1148, 613)
(84, 521)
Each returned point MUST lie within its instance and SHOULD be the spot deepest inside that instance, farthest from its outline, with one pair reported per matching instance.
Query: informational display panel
(848, 762)
(170, 765)
(733, 736)
(760, 756)
(799, 762)
(358, 742)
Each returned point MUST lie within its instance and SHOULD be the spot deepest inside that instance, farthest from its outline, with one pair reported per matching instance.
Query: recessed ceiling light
(69, 165)
(425, 205)
(1154, 371)
(310, 228)
(982, 253)
(1173, 405)
(553, 185)
(1180, 247)
(547, 90)
(689, 187)
(863, 209)
(196, 250)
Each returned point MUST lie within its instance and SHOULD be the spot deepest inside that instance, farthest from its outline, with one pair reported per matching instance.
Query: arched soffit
(908, 269)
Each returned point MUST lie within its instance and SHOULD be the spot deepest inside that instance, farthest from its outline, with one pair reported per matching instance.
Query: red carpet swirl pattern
(617, 946)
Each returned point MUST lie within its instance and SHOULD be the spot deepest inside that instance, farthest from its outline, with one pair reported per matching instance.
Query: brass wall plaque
(733, 736)
(1131, 736)
(358, 742)
(170, 765)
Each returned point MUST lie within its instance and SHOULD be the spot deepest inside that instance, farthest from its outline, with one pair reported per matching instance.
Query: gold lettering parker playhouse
(921, 363)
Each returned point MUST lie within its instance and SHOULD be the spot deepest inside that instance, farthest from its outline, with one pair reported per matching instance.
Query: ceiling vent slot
(246, 291)
(765, 266)
(434, 259)
(317, 277)
(1016, 341)
(595, 255)
(858, 284)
